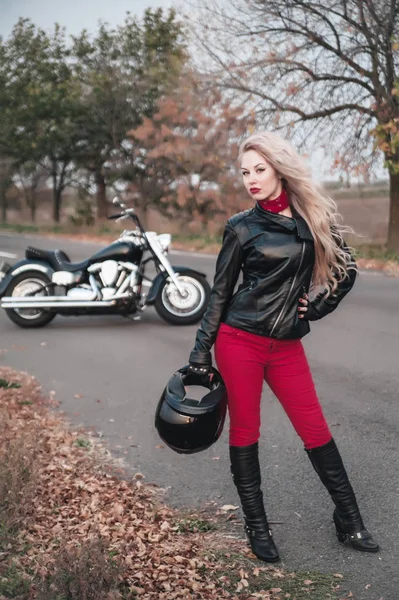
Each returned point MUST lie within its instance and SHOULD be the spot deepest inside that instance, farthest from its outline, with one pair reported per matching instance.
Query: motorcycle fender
(157, 282)
(21, 267)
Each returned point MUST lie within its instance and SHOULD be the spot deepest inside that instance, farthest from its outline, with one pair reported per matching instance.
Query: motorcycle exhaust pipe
(9, 302)
(39, 300)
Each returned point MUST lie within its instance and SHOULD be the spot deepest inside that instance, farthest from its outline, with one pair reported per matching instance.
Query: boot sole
(369, 550)
(268, 560)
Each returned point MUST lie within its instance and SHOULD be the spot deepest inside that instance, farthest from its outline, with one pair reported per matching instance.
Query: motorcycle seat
(57, 259)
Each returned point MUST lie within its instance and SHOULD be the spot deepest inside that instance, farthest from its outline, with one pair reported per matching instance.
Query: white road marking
(8, 255)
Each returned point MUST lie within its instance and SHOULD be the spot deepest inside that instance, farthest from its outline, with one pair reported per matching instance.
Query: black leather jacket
(276, 254)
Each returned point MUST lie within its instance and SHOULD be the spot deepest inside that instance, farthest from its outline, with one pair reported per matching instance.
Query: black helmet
(187, 425)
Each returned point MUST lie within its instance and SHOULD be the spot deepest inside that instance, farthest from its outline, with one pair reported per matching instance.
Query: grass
(299, 585)
(12, 583)
(20, 228)
(17, 486)
(8, 385)
(376, 251)
(67, 228)
(83, 571)
(205, 239)
(82, 443)
(99, 229)
(194, 525)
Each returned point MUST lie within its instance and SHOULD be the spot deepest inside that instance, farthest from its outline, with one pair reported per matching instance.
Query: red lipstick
(254, 190)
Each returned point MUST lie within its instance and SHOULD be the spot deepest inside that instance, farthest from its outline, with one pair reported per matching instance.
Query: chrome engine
(108, 280)
(109, 273)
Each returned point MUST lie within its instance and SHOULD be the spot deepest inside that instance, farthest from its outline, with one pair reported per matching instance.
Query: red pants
(244, 360)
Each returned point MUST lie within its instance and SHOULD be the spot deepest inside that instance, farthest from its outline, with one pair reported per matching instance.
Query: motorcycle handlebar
(114, 216)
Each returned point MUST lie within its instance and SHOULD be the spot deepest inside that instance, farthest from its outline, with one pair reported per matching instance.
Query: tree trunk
(57, 196)
(101, 196)
(33, 207)
(393, 225)
(5, 182)
(58, 188)
(3, 199)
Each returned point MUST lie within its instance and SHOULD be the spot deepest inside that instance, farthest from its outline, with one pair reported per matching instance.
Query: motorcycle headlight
(164, 240)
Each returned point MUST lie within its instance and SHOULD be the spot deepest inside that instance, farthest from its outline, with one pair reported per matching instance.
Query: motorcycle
(112, 281)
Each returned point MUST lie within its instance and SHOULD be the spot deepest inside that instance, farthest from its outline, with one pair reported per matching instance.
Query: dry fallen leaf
(75, 498)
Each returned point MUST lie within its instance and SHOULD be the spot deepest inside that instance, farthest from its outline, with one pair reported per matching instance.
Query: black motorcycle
(112, 281)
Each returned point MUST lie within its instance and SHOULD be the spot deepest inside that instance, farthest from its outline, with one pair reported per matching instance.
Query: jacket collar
(291, 223)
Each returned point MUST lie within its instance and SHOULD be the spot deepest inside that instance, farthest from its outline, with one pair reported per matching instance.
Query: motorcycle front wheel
(30, 283)
(186, 308)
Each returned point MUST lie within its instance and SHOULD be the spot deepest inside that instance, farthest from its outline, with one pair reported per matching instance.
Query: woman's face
(260, 179)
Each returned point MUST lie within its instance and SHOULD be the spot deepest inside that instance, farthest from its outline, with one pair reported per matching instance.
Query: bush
(84, 572)
(17, 482)
(84, 210)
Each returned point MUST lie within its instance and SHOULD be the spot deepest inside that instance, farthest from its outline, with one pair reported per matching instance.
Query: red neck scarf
(277, 205)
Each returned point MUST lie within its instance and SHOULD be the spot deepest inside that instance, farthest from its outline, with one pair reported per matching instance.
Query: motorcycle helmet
(188, 425)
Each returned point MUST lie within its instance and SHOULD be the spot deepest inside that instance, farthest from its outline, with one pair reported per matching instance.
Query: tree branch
(320, 41)
(325, 76)
(318, 114)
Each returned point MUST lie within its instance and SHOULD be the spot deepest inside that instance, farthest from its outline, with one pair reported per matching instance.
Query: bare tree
(324, 71)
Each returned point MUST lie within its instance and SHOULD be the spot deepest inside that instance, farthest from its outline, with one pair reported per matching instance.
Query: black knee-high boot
(246, 476)
(328, 464)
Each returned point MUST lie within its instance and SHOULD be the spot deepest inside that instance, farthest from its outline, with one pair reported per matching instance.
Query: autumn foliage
(387, 137)
(189, 150)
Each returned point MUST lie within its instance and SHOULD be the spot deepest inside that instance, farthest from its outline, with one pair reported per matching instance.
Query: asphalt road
(118, 368)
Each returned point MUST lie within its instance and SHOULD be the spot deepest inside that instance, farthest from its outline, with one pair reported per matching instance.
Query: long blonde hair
(332, 261)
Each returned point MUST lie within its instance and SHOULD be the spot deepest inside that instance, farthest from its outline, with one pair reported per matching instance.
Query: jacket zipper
(289, 293)
(244, 289)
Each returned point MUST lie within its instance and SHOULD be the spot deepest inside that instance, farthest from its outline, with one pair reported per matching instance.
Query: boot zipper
(291, 288)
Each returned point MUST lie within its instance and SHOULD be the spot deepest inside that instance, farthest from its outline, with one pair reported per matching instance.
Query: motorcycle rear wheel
(187, 309)
(25, 284)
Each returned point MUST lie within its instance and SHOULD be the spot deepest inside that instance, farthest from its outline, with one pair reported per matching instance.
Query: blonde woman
(285, 245)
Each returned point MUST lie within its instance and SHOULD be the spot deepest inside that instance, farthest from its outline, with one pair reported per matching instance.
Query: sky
(75, 15)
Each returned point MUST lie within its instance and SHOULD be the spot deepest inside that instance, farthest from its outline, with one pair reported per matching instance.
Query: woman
(286, 244)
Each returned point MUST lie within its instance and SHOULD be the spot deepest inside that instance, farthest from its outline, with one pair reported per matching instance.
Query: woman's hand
(199, 369)
(303, 306)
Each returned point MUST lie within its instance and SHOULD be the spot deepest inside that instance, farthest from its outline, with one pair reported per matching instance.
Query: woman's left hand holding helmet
(199, 369)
